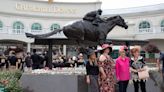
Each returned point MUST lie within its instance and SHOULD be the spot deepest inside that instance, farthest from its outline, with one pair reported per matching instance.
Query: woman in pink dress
(106, 66)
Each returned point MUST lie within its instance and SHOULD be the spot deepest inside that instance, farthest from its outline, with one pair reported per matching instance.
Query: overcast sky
(115, 4)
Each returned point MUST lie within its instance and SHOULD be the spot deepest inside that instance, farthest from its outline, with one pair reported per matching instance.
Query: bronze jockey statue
(94, 17)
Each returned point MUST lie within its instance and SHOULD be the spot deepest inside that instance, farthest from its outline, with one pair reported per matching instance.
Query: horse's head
(119, 21)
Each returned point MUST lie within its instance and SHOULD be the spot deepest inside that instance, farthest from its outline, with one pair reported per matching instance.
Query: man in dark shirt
(13, 59)
(35, 60)
(28, 60)
(162, 60)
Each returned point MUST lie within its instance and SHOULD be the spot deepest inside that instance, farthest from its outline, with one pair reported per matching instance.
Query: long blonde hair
(92, 61)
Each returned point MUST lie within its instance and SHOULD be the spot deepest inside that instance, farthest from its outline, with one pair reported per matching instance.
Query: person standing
(35, 60)
(42, 60)
(80, 61)
(137, 64)
(161, 59)
(123, 70)
(20, 63)
(28, 62)
(3, 61)
(105, 62)
(13, 64)
(156, 76)
(92, 70)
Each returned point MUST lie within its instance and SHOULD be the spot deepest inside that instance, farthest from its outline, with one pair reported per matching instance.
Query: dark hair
(102, 51)
(13, 52)
(34, 50)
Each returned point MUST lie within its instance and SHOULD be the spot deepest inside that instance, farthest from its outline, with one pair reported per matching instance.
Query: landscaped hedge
(9, 81)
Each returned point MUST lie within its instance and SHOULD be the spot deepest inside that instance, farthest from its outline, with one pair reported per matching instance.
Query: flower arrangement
(9, 81)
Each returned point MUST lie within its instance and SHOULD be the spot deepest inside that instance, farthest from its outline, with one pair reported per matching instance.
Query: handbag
(144, 74)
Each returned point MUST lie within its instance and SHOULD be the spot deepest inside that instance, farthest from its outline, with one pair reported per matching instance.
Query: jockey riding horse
(94, 17)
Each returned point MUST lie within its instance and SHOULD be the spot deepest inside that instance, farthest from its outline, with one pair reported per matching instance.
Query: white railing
(146, 30)
(3, 30)
(154, 30)
(36, 31)
(44, 30)
(11, 31)
(18, 31)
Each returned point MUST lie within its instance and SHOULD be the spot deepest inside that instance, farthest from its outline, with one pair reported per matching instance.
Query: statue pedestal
(53, 83)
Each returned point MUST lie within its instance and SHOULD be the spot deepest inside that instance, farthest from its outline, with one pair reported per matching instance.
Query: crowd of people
(105, 74)
(36, 60)
(11, 61)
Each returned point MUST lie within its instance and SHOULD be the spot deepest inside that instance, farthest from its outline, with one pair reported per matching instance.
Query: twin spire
(50, 1)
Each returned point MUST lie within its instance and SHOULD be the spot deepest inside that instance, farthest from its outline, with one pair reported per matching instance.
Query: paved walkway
(149, 87)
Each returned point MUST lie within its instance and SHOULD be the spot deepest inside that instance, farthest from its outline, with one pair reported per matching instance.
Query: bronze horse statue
(86, 31)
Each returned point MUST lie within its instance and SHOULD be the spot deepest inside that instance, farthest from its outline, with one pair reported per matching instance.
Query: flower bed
(9, 81)
(65, 71)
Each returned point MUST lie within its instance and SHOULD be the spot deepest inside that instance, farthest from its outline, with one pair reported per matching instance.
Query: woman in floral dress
(106, 65)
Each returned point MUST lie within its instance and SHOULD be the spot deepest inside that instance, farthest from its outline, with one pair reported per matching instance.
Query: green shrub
(9, 80)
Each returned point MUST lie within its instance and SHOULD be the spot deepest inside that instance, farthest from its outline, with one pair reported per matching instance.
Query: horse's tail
(43, 35)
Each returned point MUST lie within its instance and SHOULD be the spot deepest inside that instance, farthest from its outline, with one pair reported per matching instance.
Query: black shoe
(95, 24)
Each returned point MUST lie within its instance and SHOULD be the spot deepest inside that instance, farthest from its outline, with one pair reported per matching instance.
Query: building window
(162, 26)
(1, 25)
(36, 27)
(55, 26)
(144, 27)
(18, 27)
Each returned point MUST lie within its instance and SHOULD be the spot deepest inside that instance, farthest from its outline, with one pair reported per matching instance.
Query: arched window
(144, 26)
(18, 27)
(1, 25)
(162, 26)
(54, 26)
(162, 23)
(36, 27)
